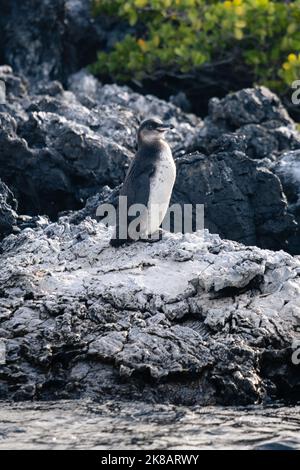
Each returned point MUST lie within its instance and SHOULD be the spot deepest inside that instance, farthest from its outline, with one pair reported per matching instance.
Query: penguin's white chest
(161, 186)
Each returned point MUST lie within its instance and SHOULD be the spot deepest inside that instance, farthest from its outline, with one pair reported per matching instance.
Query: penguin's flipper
(137, 183)
(136, 188)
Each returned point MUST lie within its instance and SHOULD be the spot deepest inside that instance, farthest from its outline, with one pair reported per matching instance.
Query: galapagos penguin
(149, 181)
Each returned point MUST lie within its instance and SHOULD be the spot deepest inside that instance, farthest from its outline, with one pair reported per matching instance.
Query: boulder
(248, 106)
(254, 115)
(241, 201)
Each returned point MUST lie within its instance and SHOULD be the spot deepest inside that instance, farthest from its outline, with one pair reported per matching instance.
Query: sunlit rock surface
(189, 319)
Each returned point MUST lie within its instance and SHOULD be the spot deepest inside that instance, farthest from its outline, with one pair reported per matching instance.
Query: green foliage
(291, 69)
(180, 36)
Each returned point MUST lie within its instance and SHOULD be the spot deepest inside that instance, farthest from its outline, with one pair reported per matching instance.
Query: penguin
(149, 181)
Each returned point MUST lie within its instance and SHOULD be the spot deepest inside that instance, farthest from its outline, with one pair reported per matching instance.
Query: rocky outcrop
(288, 169)
(132, 108)
(50, 39)
(241, 201)
(257, 117)
(59, 148)
(8, 206)
(241, 137)
(183, 320)
(10, 220)
(189, 319)
(53, 159)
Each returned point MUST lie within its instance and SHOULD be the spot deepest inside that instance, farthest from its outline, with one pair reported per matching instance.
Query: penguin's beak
(165, 127)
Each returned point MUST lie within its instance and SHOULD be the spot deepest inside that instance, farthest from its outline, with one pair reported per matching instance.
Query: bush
(181, 36)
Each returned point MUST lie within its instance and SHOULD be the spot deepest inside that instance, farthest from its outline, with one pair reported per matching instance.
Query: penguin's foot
(154, 237)
(116, 242)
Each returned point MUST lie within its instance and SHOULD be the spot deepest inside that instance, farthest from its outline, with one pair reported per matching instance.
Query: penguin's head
(152, 129)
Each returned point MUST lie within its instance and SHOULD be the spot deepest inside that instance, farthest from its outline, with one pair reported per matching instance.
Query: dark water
(124, 425)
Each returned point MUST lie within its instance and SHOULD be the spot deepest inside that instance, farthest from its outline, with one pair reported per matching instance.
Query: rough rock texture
(132, 108)
(10, 220)
(241, 201)
(53, 160)
(56, 151)
(8, 206)
(49, 39)
(257, 117)
(58, 148)
(185, 320)
(288, 170)
(189, 319)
